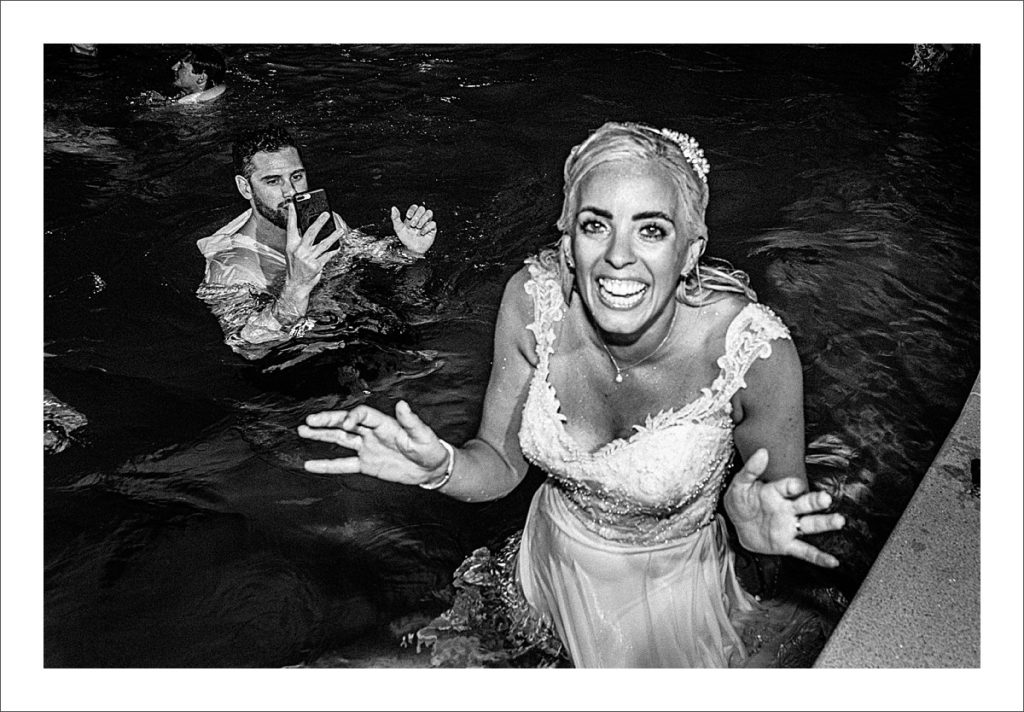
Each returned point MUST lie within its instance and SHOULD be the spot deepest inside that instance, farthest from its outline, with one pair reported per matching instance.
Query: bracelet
(447, 472)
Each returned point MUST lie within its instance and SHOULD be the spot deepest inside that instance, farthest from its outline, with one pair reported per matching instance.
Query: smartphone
(308, 207)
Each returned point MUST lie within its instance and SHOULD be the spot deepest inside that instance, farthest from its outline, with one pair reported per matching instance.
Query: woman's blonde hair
(639, 143)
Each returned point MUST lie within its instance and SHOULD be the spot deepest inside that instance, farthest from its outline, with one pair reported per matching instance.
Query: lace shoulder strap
(748, 338)
(548, 304)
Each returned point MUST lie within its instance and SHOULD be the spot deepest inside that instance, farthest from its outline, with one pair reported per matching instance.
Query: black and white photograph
(430, 345)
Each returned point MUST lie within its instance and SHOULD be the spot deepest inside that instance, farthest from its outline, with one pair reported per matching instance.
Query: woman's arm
(404, 449)
(768, 501)
(771, 412)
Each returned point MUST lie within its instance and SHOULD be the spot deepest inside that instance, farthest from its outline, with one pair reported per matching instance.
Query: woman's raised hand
(770, 516)
(400, 449)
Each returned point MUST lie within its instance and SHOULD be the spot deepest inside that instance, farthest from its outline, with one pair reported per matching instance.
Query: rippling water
(180, 528)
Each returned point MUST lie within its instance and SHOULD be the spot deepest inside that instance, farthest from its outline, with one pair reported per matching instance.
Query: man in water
(86, 50)
(261, 272)
(198, 75)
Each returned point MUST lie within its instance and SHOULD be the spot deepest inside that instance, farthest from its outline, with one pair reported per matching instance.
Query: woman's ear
(693, 253)
(203, 80)
(565, 246)
(566, 267)
(242, 183)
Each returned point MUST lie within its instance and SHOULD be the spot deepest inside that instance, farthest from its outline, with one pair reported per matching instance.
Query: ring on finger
(799, 529)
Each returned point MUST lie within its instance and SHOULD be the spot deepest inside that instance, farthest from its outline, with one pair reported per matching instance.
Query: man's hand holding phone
(306, 259)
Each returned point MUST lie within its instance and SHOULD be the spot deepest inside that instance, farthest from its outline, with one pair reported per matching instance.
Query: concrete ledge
(919, 606)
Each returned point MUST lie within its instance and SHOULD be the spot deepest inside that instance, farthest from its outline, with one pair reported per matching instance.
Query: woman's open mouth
(620, 293)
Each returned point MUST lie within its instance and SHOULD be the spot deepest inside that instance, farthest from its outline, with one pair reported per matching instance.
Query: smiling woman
(628, 254)
(623, 560)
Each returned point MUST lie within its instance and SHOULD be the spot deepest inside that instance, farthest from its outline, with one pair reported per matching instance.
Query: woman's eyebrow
(652, 214)
(595, 211)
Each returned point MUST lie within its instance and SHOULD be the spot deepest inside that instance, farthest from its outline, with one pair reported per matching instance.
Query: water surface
(180, 528)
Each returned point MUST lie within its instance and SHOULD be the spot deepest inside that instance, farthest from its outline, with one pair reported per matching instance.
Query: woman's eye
(591, 227)
(652, 232)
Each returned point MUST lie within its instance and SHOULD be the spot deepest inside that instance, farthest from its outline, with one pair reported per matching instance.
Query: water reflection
(180, 528)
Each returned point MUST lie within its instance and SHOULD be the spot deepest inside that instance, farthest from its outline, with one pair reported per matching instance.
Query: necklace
(619, 370)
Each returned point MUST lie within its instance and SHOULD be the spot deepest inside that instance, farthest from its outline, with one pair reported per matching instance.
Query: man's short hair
(205, 59)
(269, 139)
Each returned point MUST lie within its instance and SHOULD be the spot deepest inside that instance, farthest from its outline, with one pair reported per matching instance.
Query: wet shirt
(244, 278)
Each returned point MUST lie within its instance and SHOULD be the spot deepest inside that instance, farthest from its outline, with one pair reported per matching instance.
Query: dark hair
(269, 139)
(206, 60)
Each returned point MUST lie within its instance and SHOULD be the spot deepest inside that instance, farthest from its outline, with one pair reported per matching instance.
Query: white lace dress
(622, 554)
(622, 549)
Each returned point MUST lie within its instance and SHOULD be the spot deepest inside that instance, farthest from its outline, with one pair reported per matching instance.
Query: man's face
(185, 78)
(275, 179)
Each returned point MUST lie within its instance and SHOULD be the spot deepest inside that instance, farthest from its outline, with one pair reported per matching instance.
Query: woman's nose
(620, 250)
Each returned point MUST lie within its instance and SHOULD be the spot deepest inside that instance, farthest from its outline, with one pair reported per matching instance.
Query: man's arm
(414, 235)
(252, 319)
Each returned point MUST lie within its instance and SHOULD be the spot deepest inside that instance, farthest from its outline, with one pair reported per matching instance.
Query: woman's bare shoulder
(516, 313)
(721, 311)
(515, 298)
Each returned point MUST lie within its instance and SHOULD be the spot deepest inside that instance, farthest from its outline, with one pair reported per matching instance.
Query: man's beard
(277, 216)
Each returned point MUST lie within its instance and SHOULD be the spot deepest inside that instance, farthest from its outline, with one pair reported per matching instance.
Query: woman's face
(629, 246)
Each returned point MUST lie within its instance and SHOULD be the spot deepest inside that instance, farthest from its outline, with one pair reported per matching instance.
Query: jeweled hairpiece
(692, 150)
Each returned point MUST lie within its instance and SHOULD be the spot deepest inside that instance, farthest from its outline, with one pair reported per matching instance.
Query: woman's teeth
(621, 293)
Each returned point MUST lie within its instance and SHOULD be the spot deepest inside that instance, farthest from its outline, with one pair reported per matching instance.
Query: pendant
(618, 378)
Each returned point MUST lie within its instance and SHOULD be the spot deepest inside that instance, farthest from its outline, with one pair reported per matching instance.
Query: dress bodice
(662, 482)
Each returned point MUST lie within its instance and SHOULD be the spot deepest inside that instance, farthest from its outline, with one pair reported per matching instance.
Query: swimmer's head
(200, 68)
(87, 50)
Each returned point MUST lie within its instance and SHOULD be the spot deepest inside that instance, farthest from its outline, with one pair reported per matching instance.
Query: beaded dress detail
(623, 561)
(663, 482)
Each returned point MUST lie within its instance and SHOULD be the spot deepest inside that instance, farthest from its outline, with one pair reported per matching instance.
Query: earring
(687, 286)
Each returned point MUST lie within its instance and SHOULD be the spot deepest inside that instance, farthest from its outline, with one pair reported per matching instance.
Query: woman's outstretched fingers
(812, 502)
(337, 466)
(331, 435)
(363, 415)
(417, 430)
(754, 467)
(803, 550)
(794, 486)
(326, 418)
(818, 523)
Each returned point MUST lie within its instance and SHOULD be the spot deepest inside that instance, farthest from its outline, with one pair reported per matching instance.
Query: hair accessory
(447, 472)
(692, 150)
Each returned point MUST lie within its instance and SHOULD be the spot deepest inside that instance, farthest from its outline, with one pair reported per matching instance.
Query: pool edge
(919, 605)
